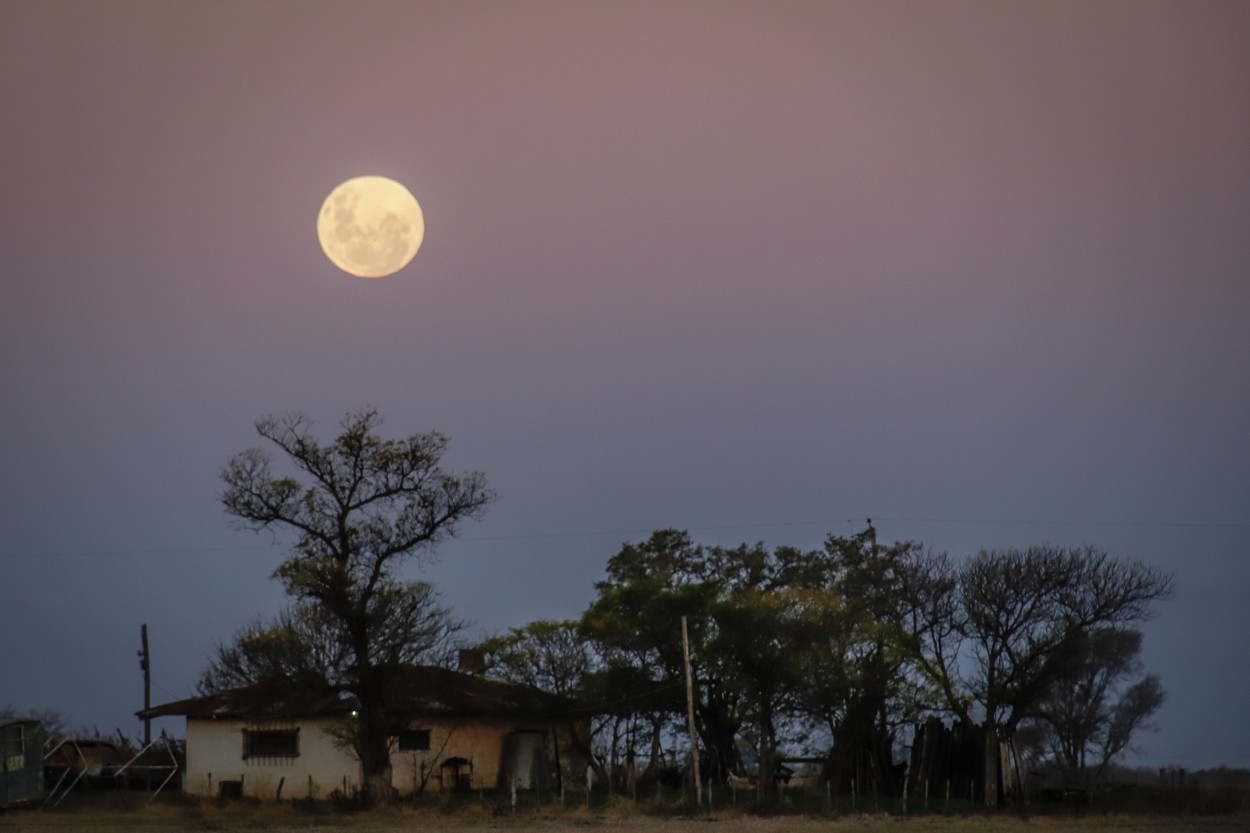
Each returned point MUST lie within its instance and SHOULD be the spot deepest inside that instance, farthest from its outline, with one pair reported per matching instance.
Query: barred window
(270, 744)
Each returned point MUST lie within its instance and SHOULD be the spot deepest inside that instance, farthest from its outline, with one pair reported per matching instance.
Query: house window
(414, 740)
(270, 744)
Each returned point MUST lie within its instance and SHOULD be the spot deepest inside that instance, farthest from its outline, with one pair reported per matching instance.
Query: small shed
(21, 762)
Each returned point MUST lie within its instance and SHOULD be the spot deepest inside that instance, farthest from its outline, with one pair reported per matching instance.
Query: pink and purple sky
(977, 270)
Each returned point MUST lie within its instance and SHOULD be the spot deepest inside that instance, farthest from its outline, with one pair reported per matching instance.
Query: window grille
(270, 746)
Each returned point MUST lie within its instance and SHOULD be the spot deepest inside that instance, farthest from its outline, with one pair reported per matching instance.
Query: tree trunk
(373, 747)
(767, 785)
(992, 759)
(372, 735)
(719, 734)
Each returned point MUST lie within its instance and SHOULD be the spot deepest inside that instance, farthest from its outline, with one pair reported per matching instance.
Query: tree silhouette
(360, 506)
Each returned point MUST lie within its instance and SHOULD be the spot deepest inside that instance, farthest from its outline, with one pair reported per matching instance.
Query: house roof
(416, 691)
(266, 700)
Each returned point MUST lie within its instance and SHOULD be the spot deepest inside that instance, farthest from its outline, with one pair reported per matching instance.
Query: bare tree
(1099, 701)
(934, 625)
(305, 641)
(54, 723)
(361, 506)
(1028, 614)
(299, 642)
(1130, 713)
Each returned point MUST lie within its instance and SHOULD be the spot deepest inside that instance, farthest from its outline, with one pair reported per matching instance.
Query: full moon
(370, 226)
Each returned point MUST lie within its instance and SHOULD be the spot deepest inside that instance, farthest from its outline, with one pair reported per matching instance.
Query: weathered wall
(21, 762)
(479, 741)
(215, 754)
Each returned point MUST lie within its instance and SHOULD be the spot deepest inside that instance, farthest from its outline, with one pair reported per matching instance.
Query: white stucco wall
(215, 754)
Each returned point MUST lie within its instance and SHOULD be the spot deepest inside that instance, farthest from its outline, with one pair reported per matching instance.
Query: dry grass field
(128, 813)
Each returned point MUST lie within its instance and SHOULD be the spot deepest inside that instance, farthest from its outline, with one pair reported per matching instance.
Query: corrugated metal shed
(21, 762)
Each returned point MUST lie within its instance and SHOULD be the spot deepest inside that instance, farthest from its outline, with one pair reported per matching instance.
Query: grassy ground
(128, 811)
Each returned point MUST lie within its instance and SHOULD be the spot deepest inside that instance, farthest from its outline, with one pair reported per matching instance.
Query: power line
(146, 551)
(639, 531)
(1051, 522)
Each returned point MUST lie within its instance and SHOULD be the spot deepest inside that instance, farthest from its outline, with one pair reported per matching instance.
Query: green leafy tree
(547, 655)
(765, 642)
(634, 624)
(553, 657)
(858, 687)
(360, 507)
(778, 637)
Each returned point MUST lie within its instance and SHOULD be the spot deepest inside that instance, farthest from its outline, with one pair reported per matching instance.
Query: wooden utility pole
(694, 744)
(145, 662)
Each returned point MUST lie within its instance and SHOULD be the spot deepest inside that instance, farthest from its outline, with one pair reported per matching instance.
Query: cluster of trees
(836, 650)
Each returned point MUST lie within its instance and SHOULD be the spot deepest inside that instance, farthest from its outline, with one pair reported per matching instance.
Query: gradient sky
(977, 270)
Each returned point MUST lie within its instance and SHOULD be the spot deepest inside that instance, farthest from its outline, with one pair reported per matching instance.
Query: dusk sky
(979, 271)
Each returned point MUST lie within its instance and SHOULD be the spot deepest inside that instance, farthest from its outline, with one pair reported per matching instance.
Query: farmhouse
(282, 738)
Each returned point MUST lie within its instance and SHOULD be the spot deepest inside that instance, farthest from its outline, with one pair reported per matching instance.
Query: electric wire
(557, 535)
